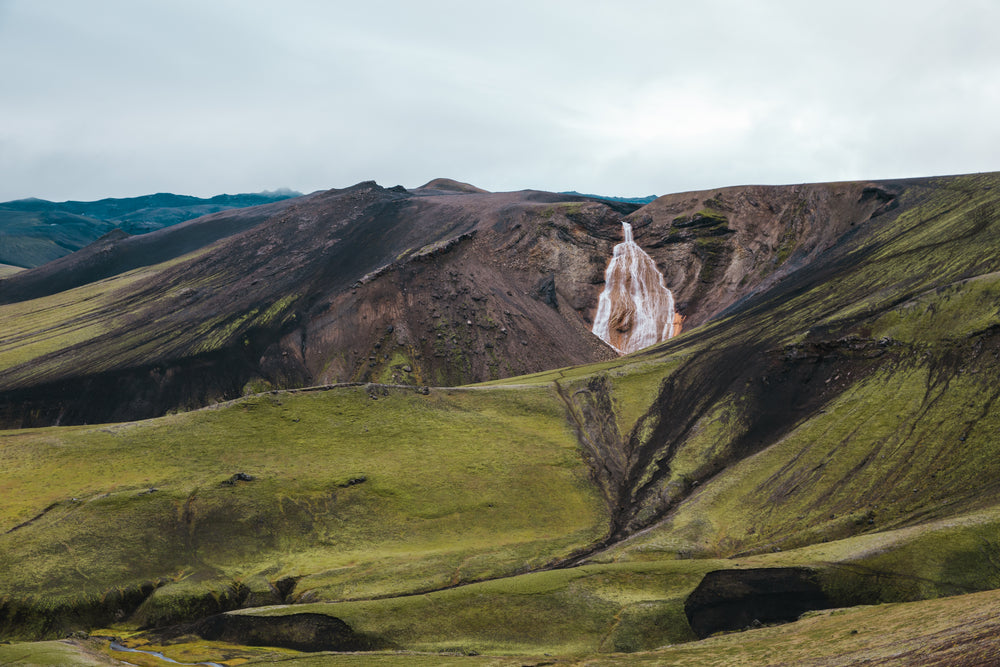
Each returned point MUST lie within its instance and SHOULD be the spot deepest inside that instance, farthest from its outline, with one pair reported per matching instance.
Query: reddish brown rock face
(440, 285)
(636, 309)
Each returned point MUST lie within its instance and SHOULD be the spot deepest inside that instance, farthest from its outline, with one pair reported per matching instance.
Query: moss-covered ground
(356, 493)
(955, 631)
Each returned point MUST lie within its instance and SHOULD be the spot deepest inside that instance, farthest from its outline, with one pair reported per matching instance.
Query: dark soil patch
(302, 632)
(728, 600)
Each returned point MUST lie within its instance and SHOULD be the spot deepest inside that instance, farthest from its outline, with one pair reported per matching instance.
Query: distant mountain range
(625, 200)
(36, 231)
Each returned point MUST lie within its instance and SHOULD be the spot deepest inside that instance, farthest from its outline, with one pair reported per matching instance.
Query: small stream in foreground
(115, 646)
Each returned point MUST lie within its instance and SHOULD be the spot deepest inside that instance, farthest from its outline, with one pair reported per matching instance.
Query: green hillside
(835, 432)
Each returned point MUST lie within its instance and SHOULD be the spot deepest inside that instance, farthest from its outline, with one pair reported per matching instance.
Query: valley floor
(956, 631)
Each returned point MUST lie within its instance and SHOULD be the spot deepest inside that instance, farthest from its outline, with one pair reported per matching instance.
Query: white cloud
(113, 98)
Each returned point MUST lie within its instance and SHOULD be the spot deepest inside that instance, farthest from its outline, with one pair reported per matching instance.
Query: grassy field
(8, 270)
(957, 630)
(357, 492)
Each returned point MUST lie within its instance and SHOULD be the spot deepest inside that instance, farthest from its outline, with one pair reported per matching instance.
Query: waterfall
(635, 309)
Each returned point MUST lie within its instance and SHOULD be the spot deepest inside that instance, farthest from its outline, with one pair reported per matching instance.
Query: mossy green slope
(954, 631)
(357, 492)
(959, 630)
(55, 654)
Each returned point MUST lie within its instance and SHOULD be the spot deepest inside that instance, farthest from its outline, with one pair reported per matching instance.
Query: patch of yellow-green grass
(200, 651)
(954, 630)
(39, 327)
(54, 653)
(353, 496)
(187, 649)
(607, 607)
(894, 449)
(8, 270)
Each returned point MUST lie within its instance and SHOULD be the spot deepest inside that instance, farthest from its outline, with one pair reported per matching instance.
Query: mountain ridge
(28, 238)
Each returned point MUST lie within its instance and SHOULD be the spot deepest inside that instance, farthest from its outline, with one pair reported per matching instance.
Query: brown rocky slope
(440, 285)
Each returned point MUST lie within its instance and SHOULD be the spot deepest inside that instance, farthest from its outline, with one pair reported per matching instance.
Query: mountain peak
(450, 185)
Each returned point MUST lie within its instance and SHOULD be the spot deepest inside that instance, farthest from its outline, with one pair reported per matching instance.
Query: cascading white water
(635, 309)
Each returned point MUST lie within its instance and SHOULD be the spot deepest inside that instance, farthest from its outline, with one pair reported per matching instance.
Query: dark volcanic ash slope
(445, 284)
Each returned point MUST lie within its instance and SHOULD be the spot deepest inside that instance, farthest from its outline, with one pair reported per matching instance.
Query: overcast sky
(120, 98)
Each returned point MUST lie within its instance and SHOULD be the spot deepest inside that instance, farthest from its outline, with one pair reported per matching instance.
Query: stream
(115, 646)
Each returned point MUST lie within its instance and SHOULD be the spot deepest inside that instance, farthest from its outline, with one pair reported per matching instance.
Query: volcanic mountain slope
(829, 442)
(356, 284)
(441, 285)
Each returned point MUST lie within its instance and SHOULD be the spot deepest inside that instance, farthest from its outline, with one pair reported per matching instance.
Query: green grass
(38, 327)
(608, 607)
(55, 653)
(9, 270)
(39, 333)
(128, 320)
(459, 485)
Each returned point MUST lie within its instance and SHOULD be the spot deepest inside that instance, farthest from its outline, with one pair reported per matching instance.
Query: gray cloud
(117, 98)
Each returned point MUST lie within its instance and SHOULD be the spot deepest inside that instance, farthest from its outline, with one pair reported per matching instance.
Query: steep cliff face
(718, 246)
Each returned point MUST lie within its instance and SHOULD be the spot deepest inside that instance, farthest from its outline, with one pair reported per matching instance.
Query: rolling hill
(821, 436)
(36, 231)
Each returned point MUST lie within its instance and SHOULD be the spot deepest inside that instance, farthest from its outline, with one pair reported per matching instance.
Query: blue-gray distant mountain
(624, 200)
(36, 231)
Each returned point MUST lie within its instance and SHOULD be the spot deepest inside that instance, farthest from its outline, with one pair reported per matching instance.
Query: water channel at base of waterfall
(115, 646)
